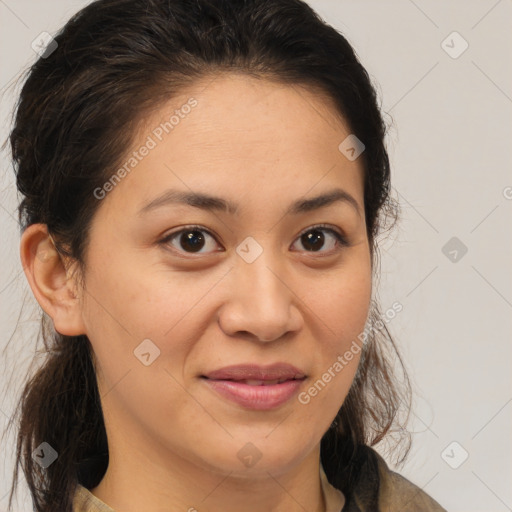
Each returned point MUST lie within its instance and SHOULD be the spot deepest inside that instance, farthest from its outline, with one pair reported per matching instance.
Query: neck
(135, 482)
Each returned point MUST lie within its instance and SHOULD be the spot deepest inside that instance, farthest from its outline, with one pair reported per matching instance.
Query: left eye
(192, 239)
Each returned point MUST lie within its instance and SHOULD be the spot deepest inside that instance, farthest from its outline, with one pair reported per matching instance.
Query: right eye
(192, 239)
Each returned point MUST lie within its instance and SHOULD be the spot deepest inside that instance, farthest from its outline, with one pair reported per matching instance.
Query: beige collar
(86, 501)
(334, 498)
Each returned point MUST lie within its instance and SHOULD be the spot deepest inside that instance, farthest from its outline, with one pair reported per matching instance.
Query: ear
(51, 283)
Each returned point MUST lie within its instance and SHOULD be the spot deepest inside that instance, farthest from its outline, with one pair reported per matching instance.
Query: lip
(227, 382)
(255, 372)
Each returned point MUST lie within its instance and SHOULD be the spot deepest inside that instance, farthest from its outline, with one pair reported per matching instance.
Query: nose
(260, 301)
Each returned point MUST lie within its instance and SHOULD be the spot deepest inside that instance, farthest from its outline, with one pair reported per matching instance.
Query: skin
(173, 442)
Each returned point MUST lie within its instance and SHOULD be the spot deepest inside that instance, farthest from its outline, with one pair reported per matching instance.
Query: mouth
(256, 387)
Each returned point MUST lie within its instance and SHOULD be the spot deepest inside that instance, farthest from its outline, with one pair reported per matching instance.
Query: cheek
(343, 303)
(343, 308)
(127, 321)
(142, 327)
(119, 313)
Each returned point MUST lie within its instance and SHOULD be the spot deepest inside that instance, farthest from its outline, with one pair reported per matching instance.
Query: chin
(256, 456)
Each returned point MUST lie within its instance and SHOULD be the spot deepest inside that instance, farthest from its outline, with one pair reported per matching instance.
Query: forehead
(254, 110)
(238, 135)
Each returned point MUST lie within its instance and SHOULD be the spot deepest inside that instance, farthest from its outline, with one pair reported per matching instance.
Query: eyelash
(342, 241)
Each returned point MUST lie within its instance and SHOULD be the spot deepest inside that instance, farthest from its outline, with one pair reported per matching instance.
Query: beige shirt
(85, 501)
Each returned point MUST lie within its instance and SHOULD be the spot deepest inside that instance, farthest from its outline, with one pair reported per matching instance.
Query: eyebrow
(211, 203)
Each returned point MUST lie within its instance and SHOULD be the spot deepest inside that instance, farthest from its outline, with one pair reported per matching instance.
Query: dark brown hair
(77, 115)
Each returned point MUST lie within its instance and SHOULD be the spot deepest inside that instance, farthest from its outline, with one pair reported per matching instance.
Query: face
(176, 291)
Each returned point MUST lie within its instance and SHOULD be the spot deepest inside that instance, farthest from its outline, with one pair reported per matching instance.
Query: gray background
(449, 142)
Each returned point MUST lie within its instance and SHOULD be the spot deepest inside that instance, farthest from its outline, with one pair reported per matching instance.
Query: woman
(203, 183)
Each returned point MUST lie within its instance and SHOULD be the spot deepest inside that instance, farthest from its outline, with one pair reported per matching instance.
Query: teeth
(263, 382)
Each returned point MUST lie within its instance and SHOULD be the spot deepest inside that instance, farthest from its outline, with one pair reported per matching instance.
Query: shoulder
(374, 487)
(397, 493)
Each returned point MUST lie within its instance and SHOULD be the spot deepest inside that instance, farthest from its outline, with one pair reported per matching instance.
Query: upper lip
(254, 372)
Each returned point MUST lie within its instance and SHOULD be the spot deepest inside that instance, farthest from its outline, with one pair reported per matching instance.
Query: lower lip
(256, 397)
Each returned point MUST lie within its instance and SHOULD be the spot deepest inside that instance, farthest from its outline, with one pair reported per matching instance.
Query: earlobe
(51, 284)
